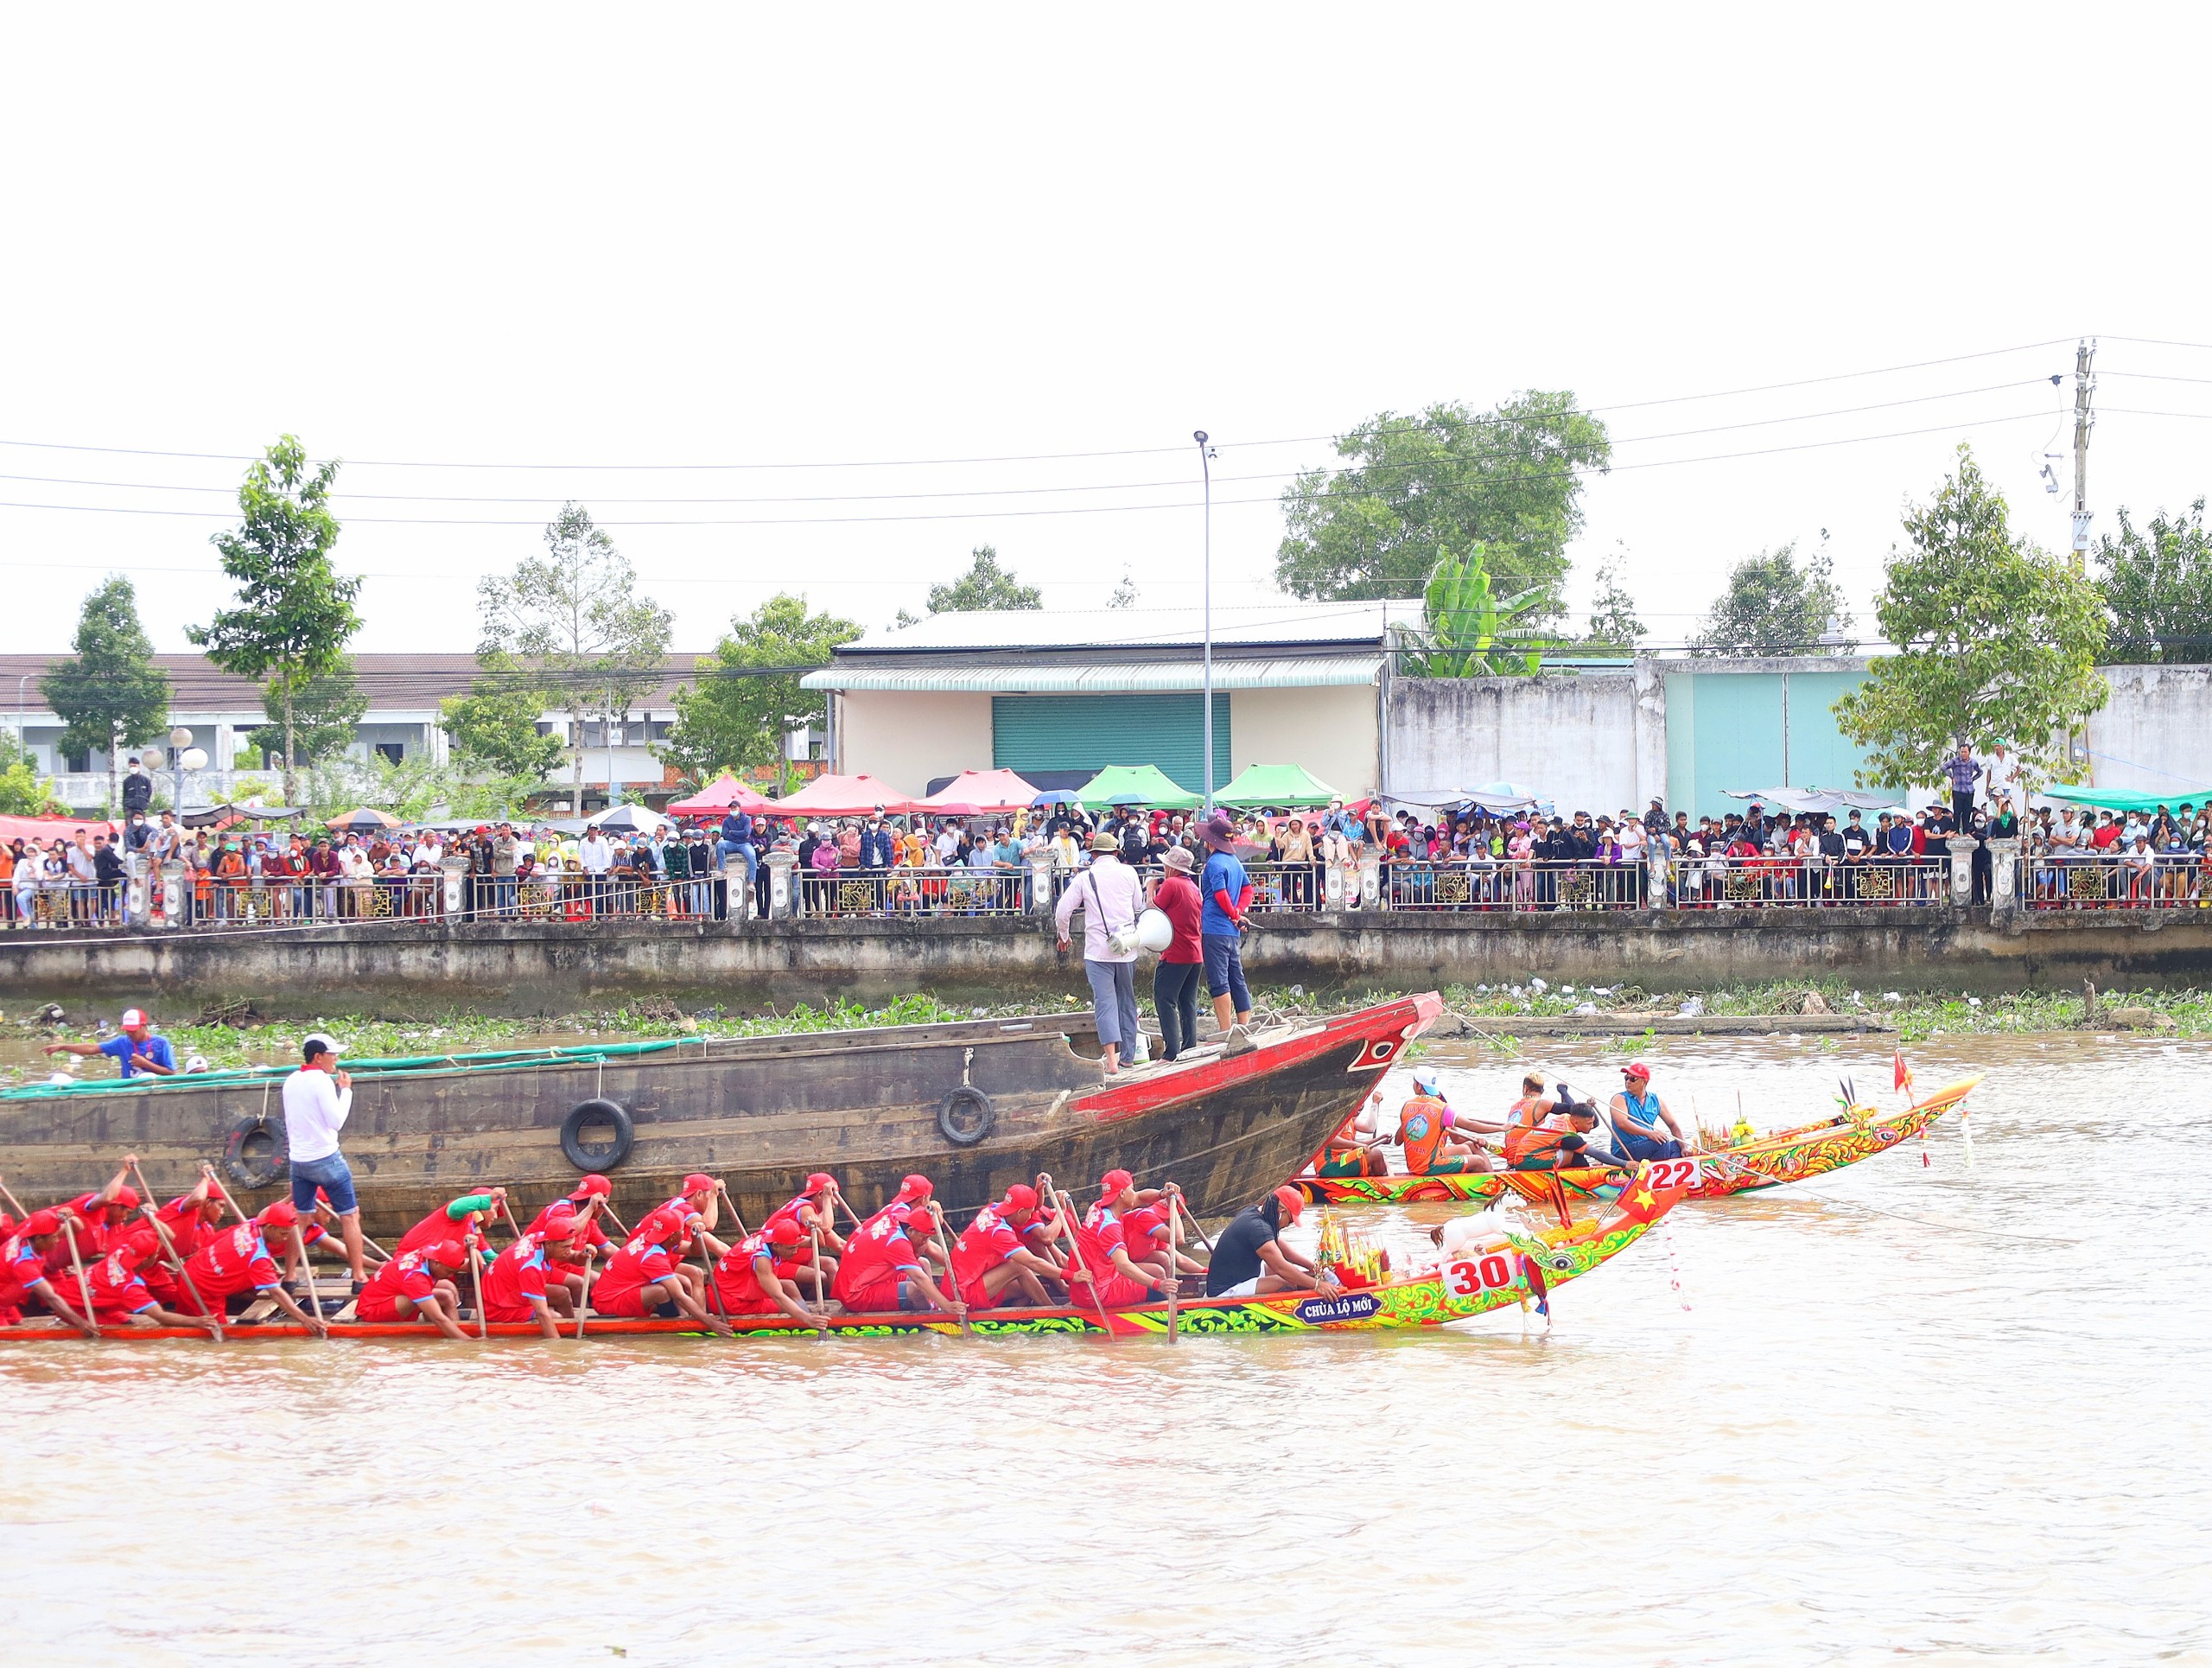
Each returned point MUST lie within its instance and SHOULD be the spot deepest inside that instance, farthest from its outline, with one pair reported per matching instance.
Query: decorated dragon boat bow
(1513, 1269)
(1770, 1160)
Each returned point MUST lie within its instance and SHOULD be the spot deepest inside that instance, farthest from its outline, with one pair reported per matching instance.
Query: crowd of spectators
(2099, 858)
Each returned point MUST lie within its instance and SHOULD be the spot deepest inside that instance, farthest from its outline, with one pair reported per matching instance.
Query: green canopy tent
(1144, 785)
(1275, 785)
(2111, 798)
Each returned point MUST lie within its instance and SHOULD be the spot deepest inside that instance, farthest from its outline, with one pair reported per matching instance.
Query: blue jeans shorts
(1225, 970)
(332, 1175)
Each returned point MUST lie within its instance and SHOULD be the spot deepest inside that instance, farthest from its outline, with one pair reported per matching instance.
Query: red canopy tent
(978, 792)
(46, 829)
(724, 793)
(841, 795)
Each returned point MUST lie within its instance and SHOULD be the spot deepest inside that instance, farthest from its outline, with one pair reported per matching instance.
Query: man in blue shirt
(137, 1050)
(1224, 892)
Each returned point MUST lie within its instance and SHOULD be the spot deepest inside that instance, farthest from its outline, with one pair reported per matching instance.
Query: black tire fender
(588, 1159)
(255, 1170)
(966, 1116)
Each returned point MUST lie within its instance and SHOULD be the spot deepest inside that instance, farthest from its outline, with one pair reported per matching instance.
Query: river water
(1934, 1412)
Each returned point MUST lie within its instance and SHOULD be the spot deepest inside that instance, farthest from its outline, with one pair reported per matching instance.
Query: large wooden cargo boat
(976, 1105)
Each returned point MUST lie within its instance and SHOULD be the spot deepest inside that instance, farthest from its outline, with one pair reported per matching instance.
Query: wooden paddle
(170, 1251)
(821, 1325)
(1076, 1261)
(1174, 1266)
(320, 1327)
(951, 1280)
(707, 1268)
(84, 1286)
(736, 1217)
(14, 1203)
(1193, 1222)
(583, 1304)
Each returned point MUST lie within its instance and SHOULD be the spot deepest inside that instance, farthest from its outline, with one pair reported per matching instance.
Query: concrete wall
(2155, 734)
(555, 968)
(1331, 731)
(1592, 742)
(909, 741)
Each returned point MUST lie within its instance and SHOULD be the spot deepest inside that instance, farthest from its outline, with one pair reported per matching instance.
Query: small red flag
(1904, 1072)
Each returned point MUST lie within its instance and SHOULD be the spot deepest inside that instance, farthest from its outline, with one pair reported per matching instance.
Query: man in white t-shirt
(318, 1099)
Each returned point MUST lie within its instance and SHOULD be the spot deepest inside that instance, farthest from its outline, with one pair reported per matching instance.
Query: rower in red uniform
(236, 1259)
(882, 1272)
(813, 1215)
(518, 1286)
(417, 1282)
(24, 1278)
(995, 1253)
(698, 1206)
(1117, 1193)
(96, 1216)
(748, 1280)
(587, 1202)
(463, 1219)
(120, 1297)
(1121, 1282)
(1149, 1245)
(644, 1278)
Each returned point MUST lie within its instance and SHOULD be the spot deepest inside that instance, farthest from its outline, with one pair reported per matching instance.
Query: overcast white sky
(482, 239)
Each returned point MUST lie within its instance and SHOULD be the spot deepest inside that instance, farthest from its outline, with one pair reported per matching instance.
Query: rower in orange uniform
(1354, 1150)
(1425, 1124)
(417, 1282)
(1527, 1136)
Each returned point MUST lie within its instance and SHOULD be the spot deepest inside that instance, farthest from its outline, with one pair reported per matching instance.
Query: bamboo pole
(84, 1286)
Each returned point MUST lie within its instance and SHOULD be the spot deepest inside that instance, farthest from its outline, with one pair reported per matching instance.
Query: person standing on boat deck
(1250, 1260)
(136, 1049)
(1637, 1115)
(1225, 893)
(1175, 981)
(318, 1097)
(1111, 899)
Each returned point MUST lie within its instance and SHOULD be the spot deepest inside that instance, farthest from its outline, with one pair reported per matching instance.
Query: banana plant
(1468, 633)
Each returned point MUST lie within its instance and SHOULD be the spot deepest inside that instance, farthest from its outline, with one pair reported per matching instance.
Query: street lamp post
(1205, 610)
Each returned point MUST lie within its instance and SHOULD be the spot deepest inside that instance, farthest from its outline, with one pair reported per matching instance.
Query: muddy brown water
(1924, 1412)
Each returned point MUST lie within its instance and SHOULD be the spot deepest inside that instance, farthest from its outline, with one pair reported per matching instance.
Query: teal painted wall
(1088, 732)
(1726, 730)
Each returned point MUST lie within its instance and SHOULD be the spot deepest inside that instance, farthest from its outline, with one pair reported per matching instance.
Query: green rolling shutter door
(1088, 732)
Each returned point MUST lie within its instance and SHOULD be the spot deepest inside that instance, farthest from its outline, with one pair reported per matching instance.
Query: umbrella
(363, 820)
(628, 819)
(724, 793)
(1058, 796)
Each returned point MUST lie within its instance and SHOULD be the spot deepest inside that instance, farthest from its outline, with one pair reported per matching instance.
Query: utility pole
(1205, 603)
(2085, 419)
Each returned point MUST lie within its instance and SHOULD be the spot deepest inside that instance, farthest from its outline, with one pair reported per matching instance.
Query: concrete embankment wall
(552, 968)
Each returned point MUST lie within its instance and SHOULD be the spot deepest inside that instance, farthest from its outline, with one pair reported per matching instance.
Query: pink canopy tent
(724, 793)
(45, 829)
(976, 792)
(841, 795)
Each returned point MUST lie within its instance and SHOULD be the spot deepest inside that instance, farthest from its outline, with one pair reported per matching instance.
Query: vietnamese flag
(1904, 1072)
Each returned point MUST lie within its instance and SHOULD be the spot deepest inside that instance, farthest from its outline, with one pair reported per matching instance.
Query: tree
(24, 792)
(110, 693)
(572, 619)
(493, 727)
(2157, 582)
(1995, 639)
(1613, 623)
(985, 585)
(1421, 487)
(294, 611)
(746, 696)
(1467, 631)
(325, 713)
(1774, 607)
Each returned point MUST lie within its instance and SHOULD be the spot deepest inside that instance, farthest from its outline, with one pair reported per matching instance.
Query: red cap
(38, 1224)
(593, 1186)
(1636, 1068)
(560, 1223)
(696, 1182)
(820, 1180)
(1113, 1184)
(659, 1227)
(137, 1249)
(135, 1017)
(1293, 1203)
(449, 1253)
(1020, 1197)
(785, 1230)
(915, 1188)
(279, 1215)
(126, 1198)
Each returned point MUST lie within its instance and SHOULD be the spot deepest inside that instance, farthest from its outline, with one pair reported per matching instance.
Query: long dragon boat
(1513, 1269)
(1770, 1160)
(975, 1104)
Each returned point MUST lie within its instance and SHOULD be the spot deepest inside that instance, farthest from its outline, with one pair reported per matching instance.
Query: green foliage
(2157, 584)
(985, 585)
(1613, 623)
(1419, 487)
(24, 792)
(109, 691)
(747, 698)
(1774, 607)
(294, 611)
(493, 727)
(1995, 639)
(573, 619)
(1465, 631)
(325, 711)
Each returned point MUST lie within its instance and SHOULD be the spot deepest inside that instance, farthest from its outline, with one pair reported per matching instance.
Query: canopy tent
(628, 819)
(224, 816)
(45, 829)
(724, 793)
(1144, 785)
(1276, 785)
(976, 792)
(364, 819)
(1497, 797)
(2111, 798)
(1817, 799)
(841, 795)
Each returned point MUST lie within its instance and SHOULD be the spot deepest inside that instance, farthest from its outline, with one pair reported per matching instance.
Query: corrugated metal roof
(1018, 678)
(1290, 624)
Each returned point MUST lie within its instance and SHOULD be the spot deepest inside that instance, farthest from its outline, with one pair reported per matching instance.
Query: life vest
(1420, 1129)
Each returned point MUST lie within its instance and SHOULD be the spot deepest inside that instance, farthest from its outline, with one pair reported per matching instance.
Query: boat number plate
(1352, 1306)
(1492, 1271)
(1674, 1173)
